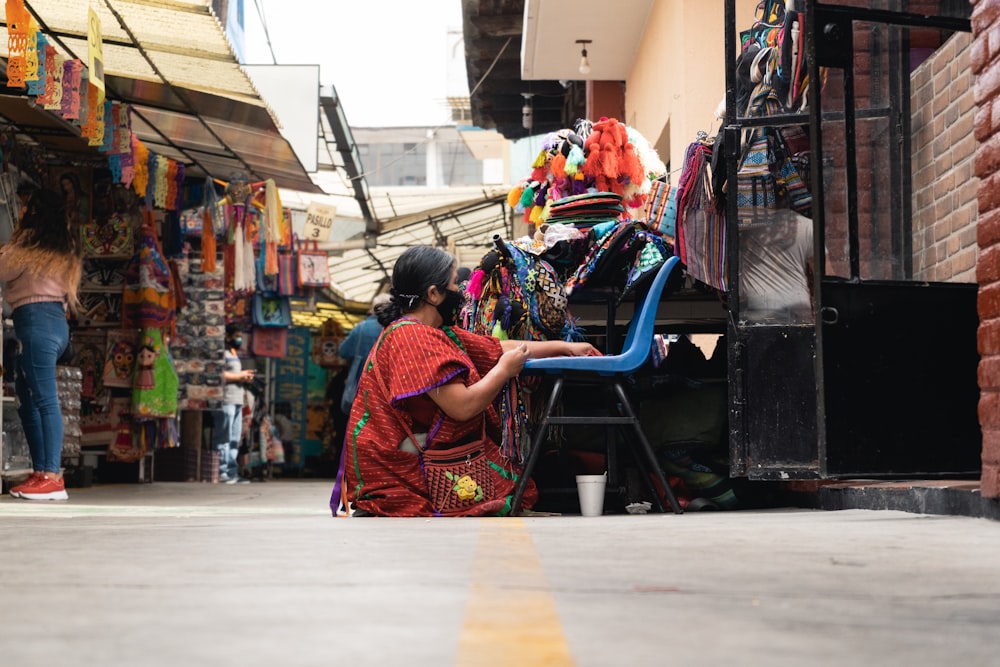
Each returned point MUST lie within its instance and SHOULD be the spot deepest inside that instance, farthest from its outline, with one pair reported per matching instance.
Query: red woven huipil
(411, 359)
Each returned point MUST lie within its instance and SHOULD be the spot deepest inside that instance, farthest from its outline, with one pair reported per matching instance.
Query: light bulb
(584, 63)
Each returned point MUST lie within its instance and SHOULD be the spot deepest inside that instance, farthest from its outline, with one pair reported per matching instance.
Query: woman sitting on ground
(427, 388)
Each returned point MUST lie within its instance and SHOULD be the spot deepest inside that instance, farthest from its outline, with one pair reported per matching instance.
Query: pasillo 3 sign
(319, 222)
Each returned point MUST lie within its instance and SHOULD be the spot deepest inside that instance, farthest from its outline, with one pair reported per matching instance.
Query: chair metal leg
(536, 448)
(648, 450)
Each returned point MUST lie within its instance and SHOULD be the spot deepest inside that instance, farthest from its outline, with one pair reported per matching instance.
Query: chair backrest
(638, 342)
(640, 329)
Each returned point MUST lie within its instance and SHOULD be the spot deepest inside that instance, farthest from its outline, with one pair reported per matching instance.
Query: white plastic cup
(590, 488)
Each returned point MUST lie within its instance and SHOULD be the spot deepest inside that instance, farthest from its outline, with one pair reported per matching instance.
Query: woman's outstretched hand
(583, 350)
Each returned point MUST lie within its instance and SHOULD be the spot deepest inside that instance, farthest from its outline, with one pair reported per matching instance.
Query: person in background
(41, 267)
(77, 203)
(436, 382)
(776, 268)
(355, 349)
(229, 421)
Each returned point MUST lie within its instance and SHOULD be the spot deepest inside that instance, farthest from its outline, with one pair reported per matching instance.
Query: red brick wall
(986, 68)
(944, 185)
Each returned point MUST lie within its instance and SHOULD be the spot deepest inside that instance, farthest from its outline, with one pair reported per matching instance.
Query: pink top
(21, 289)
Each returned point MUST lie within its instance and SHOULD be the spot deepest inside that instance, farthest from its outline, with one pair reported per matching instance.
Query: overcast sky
(388, 59)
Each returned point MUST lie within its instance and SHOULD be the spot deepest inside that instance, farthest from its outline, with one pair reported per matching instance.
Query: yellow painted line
(511, 616)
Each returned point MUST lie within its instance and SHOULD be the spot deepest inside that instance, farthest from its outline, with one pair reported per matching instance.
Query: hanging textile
(155, 382)
(272, 227)
(701, 229)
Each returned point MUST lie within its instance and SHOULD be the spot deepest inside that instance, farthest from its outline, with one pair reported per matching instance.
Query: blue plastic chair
(607, 370)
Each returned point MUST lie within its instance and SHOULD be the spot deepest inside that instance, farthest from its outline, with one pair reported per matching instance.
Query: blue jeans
(43, 333)
(228, 430)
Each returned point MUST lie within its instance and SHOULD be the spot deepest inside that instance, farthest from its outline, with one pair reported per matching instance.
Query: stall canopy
(172, 63)
(465, 228)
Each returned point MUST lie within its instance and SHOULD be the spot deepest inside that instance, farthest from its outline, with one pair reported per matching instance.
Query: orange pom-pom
(607, 163)
(631, 166)
(514, 196)
(558, 166)
(591, 167)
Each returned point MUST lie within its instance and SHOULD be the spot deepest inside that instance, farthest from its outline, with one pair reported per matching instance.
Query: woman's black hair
(44, 224)
(74, 181)
(416, 270)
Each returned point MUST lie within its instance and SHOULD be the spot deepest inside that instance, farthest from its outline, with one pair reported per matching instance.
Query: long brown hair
(43, 244)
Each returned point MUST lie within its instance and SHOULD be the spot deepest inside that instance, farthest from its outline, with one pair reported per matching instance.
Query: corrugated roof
(170, 59)
(468, 225)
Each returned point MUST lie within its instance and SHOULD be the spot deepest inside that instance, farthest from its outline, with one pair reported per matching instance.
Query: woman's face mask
(448, 309)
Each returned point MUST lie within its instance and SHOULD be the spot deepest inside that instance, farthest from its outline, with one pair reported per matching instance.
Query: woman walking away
(40, 267)
(426, 397)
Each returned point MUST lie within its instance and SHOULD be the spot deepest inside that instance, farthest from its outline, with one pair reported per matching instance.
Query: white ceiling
(551, 27)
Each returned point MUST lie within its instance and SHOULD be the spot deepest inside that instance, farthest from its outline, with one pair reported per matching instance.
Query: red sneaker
(16, 491)
(44, 488)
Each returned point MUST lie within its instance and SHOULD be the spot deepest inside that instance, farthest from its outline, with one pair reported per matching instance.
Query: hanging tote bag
(287, 273)
(313, 266)
(271, 311)
(788, 176)
(756, 186)
(269, 342)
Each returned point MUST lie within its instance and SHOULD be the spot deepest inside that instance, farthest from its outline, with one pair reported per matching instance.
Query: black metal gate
(881, 381)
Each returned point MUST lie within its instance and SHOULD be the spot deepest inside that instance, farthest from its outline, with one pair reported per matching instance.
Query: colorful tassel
(575, 160)
(536, 214)
(558, 166)
(272, 227)
(527, 197)
(477, 280)
(208, 248)
(514, 196)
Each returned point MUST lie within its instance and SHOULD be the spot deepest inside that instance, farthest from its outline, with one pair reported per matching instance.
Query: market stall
(180, 226)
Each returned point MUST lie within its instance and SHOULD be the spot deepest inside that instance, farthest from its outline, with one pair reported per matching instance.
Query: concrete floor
(260, 574)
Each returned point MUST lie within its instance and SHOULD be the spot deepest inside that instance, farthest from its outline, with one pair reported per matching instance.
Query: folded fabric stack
(586, 210)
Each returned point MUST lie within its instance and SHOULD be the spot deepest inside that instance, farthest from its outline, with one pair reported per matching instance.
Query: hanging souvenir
(270, 342)
(98, 309)
(119, 361)
(109, 237)
(148, 297)
(102, 276)
(18, 20)
(31, 53)
(54, 99)
(313, 266)
(155, 382)
(89, 359)
(48, 84)
(271, 311)
(273, 214)
(287, 273)
(326, 346)
(239, 307)
(70, 103)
